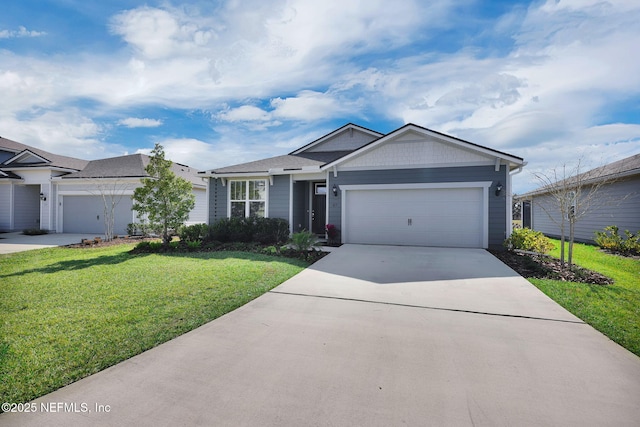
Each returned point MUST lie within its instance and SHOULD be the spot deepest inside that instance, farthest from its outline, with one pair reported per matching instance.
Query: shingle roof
(286, 162)
(55, 160)
(625, 167)
(129, 166)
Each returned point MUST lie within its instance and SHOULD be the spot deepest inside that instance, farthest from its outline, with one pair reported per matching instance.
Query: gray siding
(300, 206)
(26, 205)
(5, 207)
(616, 204)
(344, 141)
(217, 200)
(279, 197)
(497, 204)
(6, 155)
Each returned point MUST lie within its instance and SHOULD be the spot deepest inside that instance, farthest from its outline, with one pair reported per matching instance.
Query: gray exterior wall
(497, 204)
(279, 197)
(217, 200)
(26, 205)
(5, 207)
(6, 155)
(616, 204)
(344, 141)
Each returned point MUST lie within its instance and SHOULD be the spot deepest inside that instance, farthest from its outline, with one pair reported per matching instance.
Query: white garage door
(85, 214)
(447, 217)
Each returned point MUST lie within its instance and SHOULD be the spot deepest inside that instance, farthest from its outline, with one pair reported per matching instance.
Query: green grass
(68, 313)
(614, 309)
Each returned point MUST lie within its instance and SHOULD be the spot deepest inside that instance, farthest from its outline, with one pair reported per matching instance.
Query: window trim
(247, 201)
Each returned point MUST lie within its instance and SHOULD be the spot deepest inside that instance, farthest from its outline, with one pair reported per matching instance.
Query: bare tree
(111, 190)
(571, 193)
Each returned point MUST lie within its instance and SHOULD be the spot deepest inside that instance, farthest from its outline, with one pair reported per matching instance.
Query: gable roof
(286, 162)
(128, 166)
(628, 166)
(348, 126)
(514, 161)
(48, 159)
(303, 160)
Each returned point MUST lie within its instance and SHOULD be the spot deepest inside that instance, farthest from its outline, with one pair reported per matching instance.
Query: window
(248, 198)
(320, 189)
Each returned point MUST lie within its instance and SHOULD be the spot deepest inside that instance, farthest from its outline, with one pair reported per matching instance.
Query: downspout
(510, 199)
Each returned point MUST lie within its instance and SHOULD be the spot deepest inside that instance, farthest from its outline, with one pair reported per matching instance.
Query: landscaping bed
(546, 267)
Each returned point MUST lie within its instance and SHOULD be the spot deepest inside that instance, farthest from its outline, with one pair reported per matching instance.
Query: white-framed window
(247, 198)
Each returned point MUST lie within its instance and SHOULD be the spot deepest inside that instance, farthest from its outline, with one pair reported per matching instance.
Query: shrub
(528, 240)
(611, 239)
(194, 233)
(303, 241)
(34, 232)
(194, 246)
(245, 230)
(270, 231)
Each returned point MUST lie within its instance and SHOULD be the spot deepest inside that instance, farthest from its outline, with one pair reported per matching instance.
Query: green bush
(34, 232)
(611, 239)
(270, 231)
(528, 240)
(245, 230)
(194, 233)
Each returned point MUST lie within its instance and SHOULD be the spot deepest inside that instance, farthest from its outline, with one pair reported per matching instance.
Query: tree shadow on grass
(81, 264)
(76, 264)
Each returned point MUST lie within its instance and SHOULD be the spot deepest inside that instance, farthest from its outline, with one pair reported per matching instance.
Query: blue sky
(223, 82)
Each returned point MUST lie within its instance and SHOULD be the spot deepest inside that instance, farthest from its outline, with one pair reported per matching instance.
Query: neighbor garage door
(448, 217)
(85, 214)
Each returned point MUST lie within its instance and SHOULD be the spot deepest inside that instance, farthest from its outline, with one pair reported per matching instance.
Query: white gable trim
(24, 154)
(432, 135)
(344, 128)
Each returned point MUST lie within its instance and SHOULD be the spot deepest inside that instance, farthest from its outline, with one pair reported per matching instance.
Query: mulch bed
(99, 243)
(546, 267)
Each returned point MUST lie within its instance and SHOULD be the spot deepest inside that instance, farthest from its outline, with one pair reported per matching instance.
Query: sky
(225, 82)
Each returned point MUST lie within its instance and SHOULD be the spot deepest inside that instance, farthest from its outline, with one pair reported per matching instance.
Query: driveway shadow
(402, 264)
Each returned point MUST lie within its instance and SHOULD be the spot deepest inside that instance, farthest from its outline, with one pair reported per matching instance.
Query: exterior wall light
(498, 188)
(335, 190)
(43, 197)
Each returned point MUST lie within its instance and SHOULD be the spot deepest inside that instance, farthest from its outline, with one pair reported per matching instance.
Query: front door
(318, 207)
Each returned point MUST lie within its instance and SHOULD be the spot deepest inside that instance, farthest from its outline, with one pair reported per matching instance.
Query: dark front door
(319, 207)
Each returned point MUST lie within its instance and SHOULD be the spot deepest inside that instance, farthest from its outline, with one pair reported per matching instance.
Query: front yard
(69, 313)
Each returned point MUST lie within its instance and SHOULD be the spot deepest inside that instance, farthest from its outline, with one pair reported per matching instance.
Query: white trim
(208, 194)
(335, 133)
(417, 166)
(420, 185)
(422, 131)
(290, 204)
(25, 153)
(247, 200)
(89, 193)
(308, 176)
(484, 185)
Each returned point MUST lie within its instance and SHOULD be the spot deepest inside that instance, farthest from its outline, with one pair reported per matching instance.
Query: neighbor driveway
(376, 336)
(18, 242)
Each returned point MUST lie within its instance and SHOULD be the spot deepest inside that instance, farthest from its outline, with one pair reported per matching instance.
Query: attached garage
(445, 215)
(85, 214)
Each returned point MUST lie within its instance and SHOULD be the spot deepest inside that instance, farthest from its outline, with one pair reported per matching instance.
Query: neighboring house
(616, 202)
(413, 186)
(43, 190)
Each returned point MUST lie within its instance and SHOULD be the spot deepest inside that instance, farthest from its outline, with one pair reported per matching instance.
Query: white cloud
(134, 122)
(19, 33)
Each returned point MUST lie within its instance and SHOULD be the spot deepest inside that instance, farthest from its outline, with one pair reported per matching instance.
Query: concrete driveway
(18, 242)
(375, 336)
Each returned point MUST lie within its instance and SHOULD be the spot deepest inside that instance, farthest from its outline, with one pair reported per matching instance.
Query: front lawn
(613, 309)
(68, 313)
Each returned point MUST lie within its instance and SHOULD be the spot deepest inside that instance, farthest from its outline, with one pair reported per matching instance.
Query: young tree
(111, 191)
(572, 193)
(164, 198)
